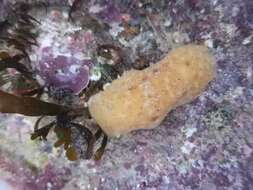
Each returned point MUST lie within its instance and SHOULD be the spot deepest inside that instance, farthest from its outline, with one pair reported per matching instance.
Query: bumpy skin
(141, 99)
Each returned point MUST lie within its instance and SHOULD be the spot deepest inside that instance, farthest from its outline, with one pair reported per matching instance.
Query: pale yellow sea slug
(142, 99)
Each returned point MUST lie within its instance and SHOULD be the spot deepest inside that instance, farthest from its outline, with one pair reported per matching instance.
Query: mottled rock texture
(207, 144)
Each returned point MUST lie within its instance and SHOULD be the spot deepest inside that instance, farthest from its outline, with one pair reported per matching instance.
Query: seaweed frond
(29, 106)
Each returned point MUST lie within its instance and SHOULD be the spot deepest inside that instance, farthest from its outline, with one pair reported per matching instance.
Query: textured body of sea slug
(142, 99)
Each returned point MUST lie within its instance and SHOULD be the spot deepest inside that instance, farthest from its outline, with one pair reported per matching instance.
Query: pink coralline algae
(65, 72)
(218, 124)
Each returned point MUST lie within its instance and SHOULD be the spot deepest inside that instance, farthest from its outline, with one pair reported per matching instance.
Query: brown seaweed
(88, 136)
(42, 132)
(28, 106)
(20, 37)
(19, 33)
(30, 92)
(100, 151)
(25, 33)
(14, 42)
(21, 46)
(13, 62)
(76, 4)
(28, 19)
(67, 137)
(36, 125)
(98, 134)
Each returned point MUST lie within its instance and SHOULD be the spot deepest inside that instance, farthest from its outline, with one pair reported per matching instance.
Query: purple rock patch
(65, 72)
(110, 14)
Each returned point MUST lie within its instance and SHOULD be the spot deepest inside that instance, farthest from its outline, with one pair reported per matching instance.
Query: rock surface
(207, 144)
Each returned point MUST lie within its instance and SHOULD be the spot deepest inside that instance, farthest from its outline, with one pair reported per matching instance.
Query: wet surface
(207, 144)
